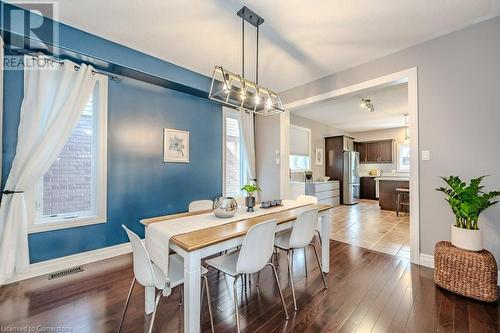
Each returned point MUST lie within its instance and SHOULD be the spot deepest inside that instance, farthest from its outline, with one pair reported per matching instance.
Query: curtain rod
(56, 60)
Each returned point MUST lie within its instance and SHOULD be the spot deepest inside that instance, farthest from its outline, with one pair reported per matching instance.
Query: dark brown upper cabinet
(385, 151)
(375, 151)
(372, 151)
(361, 148)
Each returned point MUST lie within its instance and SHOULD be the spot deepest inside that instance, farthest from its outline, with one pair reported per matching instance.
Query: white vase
(466, 239)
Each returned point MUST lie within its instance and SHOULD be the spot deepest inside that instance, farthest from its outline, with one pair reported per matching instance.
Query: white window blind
(300, 141)
(233, 157)
(235, 168)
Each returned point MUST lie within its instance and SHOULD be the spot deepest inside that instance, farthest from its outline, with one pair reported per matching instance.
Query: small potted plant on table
(467, 203)
(250, 199)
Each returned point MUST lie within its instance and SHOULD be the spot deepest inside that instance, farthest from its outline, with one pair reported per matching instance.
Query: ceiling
(345, 113)
(300, 41)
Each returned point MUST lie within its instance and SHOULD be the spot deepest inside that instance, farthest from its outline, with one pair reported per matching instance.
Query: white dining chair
(309, 199)
(199, 205)
(147, 274)
(254, 255)
(300, 237)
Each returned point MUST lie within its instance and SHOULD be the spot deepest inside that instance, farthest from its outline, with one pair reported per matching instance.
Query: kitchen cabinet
(367, 188)
(361, 149)
(372, 152)
(375, 151)
(387, 195)
(385, 151)
(334, 158)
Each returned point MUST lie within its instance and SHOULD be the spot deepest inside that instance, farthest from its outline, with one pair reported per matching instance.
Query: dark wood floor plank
(347, 295)
(306, 314)
(492, 317)
(393, 304)
(367, 291)
(374, 304)
(476, 317)
(425, 311)
(447, 312)
(355, 305)
(461, 324)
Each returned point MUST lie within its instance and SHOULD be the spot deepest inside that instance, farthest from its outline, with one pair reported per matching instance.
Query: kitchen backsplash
(386, 169)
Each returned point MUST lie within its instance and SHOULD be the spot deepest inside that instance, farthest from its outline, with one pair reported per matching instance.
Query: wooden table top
(205, 237)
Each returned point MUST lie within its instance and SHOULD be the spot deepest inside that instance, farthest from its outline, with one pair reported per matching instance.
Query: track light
(367, 104)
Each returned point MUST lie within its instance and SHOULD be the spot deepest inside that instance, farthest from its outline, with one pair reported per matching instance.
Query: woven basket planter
(470, 274)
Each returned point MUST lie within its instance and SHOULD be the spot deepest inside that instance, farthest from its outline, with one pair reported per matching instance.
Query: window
(403, 162)
(300, 162)
(73, 191)
(235, 172)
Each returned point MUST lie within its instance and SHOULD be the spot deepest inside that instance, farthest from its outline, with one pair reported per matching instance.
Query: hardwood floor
(368, 292)
(366, 225)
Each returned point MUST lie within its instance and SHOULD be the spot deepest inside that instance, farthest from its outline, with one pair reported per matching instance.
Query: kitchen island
(386, 190)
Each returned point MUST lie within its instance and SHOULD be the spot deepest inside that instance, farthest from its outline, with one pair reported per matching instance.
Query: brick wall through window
(233, 157)
(67, 185)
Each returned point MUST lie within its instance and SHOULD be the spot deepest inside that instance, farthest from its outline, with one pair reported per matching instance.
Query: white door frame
(411, 77)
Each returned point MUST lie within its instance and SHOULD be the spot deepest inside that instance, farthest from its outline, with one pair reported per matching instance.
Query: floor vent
(65, 272)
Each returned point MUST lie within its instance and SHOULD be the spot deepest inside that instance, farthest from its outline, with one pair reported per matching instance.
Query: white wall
(267, 149)
(459, 115)
(397, 134)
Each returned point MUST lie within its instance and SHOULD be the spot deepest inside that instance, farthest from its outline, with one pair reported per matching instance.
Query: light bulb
(269, 102)
(243, 96)
(226, 88)
(257, 99)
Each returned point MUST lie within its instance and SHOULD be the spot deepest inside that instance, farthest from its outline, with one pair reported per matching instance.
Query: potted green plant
(250, 199)
(467, 202)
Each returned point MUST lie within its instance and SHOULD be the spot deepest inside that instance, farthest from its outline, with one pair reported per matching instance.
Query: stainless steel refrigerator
(351, 178)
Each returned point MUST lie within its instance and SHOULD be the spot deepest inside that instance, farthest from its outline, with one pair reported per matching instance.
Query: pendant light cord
(257, 59)
(242, 47)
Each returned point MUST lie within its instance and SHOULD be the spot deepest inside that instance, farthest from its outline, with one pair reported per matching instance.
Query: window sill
(64, 224)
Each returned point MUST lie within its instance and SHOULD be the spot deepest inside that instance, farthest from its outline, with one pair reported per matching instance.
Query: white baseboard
(49, 266)
(427, 260)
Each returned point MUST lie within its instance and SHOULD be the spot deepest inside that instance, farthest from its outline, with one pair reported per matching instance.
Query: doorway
(408, 77)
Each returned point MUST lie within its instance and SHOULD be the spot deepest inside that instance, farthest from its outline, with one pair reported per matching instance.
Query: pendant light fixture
(407, 127)
(234, 90)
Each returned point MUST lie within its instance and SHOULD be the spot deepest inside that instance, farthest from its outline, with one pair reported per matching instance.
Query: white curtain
(247, 133)
(54, 99)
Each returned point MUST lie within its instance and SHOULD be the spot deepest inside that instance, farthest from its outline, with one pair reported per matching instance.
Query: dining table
(208, 240)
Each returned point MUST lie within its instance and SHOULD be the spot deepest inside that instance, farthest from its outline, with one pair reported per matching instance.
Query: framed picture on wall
(175, 146)
(318, 156)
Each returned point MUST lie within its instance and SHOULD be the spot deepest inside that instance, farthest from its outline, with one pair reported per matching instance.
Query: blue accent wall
(139, 183)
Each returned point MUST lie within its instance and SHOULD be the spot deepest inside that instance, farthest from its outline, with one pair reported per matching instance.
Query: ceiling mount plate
(250, 16)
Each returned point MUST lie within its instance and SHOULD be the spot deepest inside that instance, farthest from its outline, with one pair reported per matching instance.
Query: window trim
(100, 186)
